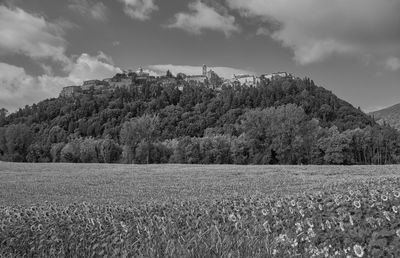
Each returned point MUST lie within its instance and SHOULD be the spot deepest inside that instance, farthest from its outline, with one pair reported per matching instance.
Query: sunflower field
(349, 220)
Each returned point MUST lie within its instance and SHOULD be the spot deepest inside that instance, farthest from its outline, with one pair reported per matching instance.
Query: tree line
(284, 121)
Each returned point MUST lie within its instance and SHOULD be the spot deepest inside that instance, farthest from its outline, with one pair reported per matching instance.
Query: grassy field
(27, 184)
(66, 210)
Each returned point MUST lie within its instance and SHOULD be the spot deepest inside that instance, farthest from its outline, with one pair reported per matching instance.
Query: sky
(350, 47)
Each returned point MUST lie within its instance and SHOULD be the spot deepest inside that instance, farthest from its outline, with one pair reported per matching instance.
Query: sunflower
(396, 194)
(358, 250)
(357, 204)
(232, 217)
(264, 212)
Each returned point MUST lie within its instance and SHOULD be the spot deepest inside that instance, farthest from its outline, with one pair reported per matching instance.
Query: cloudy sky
(351, 47)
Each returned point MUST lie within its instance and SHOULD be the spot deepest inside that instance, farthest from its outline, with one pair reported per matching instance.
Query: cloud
(203, 17)
(262, 31)
(316, 29)
(139, 9)
(87, 67)
(392, 64)
(30, 35)
(116, 43)
(225, 72)
(17, 88)
(97, 11)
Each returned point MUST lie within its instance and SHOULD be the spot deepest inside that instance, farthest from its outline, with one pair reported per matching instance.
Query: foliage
(139, 133)
(89, 151)
(70, 152)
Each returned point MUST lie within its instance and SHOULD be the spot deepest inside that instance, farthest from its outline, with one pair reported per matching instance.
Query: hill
(282, 120)
(389, 115)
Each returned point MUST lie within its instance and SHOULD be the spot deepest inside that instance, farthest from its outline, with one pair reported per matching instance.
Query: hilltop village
(129, 79)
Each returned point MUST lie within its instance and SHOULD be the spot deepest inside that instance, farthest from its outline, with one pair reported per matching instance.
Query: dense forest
(283, 121)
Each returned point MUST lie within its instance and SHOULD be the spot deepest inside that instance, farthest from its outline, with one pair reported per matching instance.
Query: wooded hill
(283, 121)
(389, 115)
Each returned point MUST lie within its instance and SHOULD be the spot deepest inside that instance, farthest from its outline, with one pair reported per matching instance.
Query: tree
(169, 74)
(139, 129)
(277, 134)
(3, 115)
(109, 150)
(18, 138)
(336, 147)
(57, 134)
(325, 112)
(89, 151)
(55, 151)
(71, 152)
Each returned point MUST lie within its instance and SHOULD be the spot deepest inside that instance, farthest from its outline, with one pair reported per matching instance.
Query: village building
(246, 79)
(87, 85)
(198, 78)
(121, 83)
(141, 75)
(277, 75)
(70, 91)
(129, 79)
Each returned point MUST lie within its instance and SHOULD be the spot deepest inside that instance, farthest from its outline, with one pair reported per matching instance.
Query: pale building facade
(70, 91)
(276, 75)
(246, 79)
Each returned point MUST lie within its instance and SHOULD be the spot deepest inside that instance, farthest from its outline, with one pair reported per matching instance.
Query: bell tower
(204, 70)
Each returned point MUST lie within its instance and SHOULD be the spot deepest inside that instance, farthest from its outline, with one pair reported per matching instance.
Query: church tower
(204, 70)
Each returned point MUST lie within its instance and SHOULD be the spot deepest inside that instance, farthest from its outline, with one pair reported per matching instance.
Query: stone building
(246, 79)
(87, 85)
(122, 83)
(198, 78)
(70, 91)
(277, 75)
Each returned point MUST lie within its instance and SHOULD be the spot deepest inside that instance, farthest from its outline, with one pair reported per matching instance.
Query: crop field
(64, 210)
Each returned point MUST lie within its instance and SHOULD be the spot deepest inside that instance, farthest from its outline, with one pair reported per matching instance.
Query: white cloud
(116, 43)
(204, 17)
(139, 9)
(17, 88)
(97, 11)
(88, 67)
(392, 63)
(317, 29)
(225, 72)
(34, 37)
(30, 35)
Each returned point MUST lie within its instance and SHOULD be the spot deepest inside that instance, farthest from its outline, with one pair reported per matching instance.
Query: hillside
(279, 121)
(389, 115)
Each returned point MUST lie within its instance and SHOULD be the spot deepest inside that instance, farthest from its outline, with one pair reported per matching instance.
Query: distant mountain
(389, 115)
